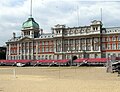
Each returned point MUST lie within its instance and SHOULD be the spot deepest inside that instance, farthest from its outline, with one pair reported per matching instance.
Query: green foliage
(2, 55)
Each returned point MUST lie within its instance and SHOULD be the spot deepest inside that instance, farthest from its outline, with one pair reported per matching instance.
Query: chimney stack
(14, 35)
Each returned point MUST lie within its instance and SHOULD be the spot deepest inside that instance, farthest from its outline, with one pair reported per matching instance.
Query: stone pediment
(25, 39)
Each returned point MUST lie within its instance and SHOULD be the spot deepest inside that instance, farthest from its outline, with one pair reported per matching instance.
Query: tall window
(108, 46)
(108, 38)
(46, 42)
(96, 47)
(42, 56)
(46, 57)
(118, 37)
(66, 41)
(42, 42)
(113, 38)
(50, 57)
(114, 54)
(42, 49)
(113, 46)
(38, 57)
(47, 49)
(38, 50)
(109, 55)
(118, 54)
(103, 39)
(34, 43)
(83, 47)
(88, 47)
(103, 46)
(119, 45)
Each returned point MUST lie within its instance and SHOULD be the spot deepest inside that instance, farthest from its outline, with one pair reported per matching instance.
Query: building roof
(46, 35)
(30, 23)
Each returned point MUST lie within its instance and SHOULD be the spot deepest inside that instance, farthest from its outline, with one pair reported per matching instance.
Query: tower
(30, 28)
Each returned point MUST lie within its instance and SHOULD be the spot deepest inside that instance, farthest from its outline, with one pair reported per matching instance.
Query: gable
(25, 39)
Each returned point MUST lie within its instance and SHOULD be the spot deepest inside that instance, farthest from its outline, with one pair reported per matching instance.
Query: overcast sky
(50, 12)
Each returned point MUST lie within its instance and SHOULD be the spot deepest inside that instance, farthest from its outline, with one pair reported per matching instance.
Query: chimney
(41, 31)
(14, 35)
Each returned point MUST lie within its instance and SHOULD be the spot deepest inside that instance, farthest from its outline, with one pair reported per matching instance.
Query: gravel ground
(58, 79)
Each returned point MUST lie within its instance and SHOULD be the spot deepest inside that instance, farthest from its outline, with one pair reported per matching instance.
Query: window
(96, 55)
(103, 46)
(42, 49)
(114, 55)
(83, 40)
(38, 57)
(88, 47)
(113, 38)
(42, 42)
(108, 46)
(46, 57)
(108, 55)
(113, 46)
(38, 50)
(103, 31)
(119, 38)
(66, 41)
(71, 41)
(96, 47)
(83, 47)
(118, 54)
(96, 40)
(108, 38)
(34, 43)
(50, 57)
(119, 45)
(42, 56)
(47, 50)
(103, 55)
(46, 42)
(103, 39)
(88, 40)
(30, 44)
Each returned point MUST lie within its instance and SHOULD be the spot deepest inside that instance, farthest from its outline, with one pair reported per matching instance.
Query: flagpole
(101, 14)
(31, 9)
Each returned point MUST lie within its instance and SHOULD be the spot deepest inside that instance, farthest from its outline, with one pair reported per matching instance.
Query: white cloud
(50, 12)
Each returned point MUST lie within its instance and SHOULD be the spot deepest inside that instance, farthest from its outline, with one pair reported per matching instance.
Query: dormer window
(96, 28)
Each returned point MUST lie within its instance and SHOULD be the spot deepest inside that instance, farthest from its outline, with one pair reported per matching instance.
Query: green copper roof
(30, 23)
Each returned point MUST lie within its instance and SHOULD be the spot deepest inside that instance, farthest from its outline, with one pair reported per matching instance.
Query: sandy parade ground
(58, 79)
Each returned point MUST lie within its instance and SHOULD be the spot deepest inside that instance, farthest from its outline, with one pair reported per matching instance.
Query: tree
(2, 55)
